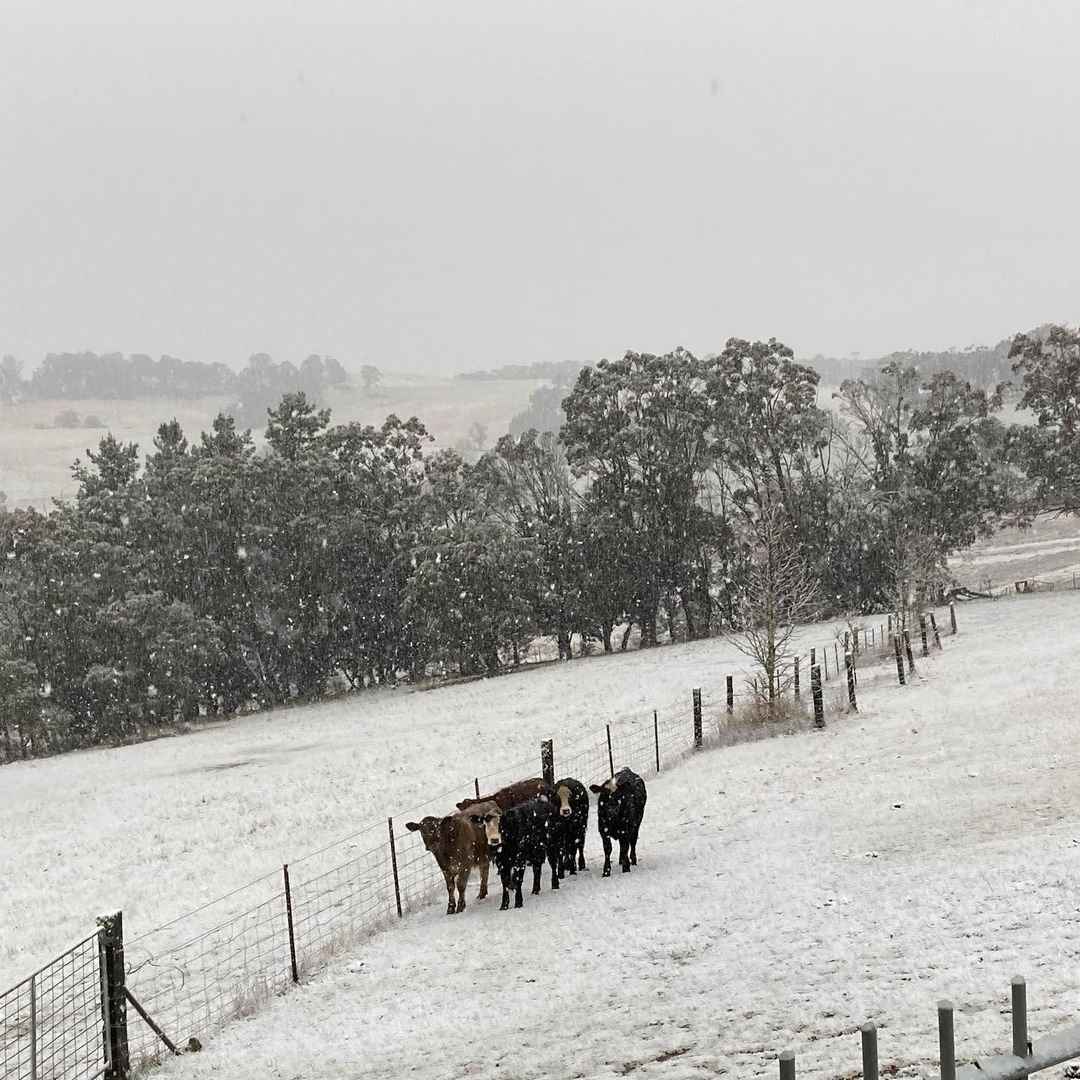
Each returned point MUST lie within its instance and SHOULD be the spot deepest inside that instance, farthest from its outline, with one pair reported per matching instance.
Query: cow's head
(428, 828)
(562, 796)
(489, 819)
(606, 788)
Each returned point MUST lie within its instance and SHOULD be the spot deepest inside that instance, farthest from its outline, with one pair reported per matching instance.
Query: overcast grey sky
(448, 185)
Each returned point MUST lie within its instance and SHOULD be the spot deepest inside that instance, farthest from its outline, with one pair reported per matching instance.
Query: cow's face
(428, 828)
(562, 794)
(490, 821)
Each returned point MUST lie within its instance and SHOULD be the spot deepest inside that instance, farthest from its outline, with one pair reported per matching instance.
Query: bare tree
(781, 591)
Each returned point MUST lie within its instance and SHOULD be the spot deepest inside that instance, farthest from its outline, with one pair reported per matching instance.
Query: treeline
(114, 376)
(682, 497)
(560, 371)
(984, 366)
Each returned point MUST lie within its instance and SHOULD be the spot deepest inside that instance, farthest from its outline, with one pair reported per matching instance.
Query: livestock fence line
(1026, 1056)
(1055, 581)
(194, 973)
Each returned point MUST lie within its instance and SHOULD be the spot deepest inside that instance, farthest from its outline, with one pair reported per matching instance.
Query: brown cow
(458, 845)
(510, 796)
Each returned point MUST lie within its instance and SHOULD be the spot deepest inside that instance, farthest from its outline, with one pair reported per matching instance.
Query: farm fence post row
(221, 972)
(1025, 1057)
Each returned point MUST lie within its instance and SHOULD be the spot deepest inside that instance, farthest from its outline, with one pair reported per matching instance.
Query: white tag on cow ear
(612, 784)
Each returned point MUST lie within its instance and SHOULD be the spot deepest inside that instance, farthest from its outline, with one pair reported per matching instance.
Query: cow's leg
(581, 851)
(624, 858)
(554, 858)
(633, 846)
(536, 876)
(506, 873)
(451, 907)
(484, 867)
(606, 841)
(519, 876)
(462, 883)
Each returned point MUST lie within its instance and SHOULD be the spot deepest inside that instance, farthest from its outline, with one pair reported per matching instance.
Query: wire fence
(51, 1024)
(220, 961)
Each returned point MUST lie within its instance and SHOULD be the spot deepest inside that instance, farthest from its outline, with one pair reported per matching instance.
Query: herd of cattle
(529, 823)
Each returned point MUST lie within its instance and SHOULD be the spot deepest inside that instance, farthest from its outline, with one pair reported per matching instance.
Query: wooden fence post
(730, 694)
(697, 718)
(547, 761)
(836, 655)
(815, 692)
(899, 660)
(952, 615)
(869, 1052)
(933, 627)
(393, 865)
(796, 678)
(889, 617)
(910, 654)
(289, 919)
(922, 631)
(656, 738)
(610, 756)
(113, 999)
(946, 1044)
(849, 663)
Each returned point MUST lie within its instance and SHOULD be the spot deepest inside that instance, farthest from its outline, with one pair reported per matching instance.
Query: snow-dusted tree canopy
(204, 577)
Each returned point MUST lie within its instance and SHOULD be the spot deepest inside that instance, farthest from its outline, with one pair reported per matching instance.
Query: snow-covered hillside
(160, 828)
(787, 892)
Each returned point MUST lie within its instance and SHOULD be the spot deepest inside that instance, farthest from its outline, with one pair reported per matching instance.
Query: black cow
(572, 802)
(527, 834)
(619, 811)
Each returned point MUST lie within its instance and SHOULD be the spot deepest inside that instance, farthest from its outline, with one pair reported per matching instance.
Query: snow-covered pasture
(161, 828)
(787, 891)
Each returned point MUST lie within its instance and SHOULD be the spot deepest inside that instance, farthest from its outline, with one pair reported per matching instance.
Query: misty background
(443, 187)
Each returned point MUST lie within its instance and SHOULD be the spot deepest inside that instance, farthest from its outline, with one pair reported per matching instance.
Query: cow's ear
(412, 826)
(463, 805)
(595, 788)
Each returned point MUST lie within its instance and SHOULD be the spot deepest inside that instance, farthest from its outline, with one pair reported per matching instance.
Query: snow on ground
(159, 828)
(787, 892)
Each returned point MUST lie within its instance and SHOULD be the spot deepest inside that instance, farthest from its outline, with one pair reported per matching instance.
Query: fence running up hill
(184, 979)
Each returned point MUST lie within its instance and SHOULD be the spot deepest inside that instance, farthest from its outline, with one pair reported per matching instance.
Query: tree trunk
(606, 630)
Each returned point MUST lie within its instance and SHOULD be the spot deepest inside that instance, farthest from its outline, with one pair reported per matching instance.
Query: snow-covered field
(1048, 550)
(160, 828)
(787, 892)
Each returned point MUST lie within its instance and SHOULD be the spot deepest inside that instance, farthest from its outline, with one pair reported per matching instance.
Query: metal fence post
(787, 1065)
(610, 755)
(656, 738)
(697, 718)
(113, 1002)
(952, 615)
(869, 1052)
(33, 1027)
(393, 865)
(946, 1044)
(1020, 1047)
(476, 784)
(547, 761)
(289, 918)
(815, 691)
